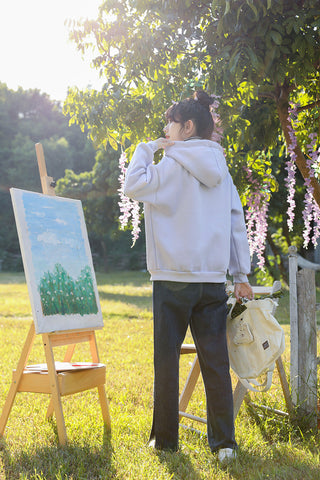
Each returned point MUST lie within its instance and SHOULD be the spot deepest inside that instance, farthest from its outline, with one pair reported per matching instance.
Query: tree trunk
(282, 108)
(104, 255)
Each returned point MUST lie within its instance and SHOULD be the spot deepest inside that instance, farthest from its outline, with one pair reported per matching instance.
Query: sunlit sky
(35, 49)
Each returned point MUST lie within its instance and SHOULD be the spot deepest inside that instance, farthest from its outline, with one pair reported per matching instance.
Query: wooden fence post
(294, 333)
(307, 348)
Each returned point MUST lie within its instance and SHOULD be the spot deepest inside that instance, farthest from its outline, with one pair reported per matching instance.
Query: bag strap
(254, 386)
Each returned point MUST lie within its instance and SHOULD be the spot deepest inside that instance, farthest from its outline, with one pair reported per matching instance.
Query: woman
(195, 234)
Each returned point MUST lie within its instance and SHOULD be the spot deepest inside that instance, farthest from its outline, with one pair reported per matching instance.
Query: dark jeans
(176, 305)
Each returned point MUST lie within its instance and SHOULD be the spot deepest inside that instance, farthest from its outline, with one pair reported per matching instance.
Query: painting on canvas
(57, 262)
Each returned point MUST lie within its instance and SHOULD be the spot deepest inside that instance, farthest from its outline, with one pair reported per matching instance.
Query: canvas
(57, 262)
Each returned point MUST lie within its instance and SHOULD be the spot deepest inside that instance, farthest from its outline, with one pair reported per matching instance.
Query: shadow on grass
(124, 277)
(178, 465)
(12, 277)
(298, 427)
(79, 462)
(279, 465)
(141, 301)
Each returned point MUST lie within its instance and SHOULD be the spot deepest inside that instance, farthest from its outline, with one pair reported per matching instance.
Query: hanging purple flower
(311, 211)
(128, 208)
(135, 221)
(316, 219)
(290, 180)
(257, 217)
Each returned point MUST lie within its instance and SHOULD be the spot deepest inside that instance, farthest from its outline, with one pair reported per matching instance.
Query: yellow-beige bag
(255, 341)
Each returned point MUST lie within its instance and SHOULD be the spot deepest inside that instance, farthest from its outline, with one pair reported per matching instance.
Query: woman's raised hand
(163, 143)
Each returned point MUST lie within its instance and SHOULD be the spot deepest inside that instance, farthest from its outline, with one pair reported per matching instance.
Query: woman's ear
(189, 128)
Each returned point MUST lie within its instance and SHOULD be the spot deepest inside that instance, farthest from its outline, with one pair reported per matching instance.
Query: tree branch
(267, 95)
(309, 106)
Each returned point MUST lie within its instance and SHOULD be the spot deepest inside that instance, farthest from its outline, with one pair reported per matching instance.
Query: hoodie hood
(203, 159)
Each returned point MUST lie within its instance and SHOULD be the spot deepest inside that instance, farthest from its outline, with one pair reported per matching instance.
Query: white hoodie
(195, 229)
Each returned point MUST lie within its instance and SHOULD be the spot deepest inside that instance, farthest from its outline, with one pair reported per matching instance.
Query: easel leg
(67, 358)
(240, 391)
(56, 398)
(94, 348)
(285, 386)
(104, 407)
(101, 390)
(238, 396)
(189, 385)
(16, 379)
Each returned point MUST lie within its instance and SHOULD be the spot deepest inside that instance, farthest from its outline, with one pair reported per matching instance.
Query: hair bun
(203, 98)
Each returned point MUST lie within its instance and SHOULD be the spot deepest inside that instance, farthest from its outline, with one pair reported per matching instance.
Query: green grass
(272, 449)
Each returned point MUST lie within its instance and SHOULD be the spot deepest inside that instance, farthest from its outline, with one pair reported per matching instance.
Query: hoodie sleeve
(142, 180)
(240, 264)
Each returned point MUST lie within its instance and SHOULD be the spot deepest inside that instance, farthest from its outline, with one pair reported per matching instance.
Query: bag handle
(254, 386)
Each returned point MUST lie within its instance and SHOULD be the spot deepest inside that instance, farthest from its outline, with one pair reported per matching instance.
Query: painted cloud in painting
(54, 224)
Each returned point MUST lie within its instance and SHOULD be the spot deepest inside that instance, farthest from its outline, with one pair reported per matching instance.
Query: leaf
(124, 138)
(234, 59)
(253, 58)
(253, 8)
(112, 142)
(276, 37)
(238, 13)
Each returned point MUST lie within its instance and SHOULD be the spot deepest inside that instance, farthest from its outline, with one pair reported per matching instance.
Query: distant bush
(61, 294)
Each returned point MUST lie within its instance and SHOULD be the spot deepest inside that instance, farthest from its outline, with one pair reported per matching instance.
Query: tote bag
(255, 341)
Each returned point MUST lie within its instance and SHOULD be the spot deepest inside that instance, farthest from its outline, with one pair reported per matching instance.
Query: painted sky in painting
(55, 234)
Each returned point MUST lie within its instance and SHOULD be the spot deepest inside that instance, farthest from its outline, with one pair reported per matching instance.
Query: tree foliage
(257, 55)
(28, 117)
(150, 53)
(81, 171)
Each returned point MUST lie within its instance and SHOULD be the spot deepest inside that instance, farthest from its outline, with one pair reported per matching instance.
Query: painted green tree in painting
(62, 295)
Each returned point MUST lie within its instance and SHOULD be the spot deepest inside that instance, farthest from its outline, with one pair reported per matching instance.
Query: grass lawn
(272, 449)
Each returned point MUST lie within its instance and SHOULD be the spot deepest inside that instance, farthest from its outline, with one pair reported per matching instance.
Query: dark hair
(197, 109)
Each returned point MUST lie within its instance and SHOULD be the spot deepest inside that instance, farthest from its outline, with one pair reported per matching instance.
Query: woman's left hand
(243, 290)
(163, 143)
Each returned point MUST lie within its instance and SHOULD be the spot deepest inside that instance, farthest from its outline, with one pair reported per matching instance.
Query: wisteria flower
(129, 209)
(290, 180)
(311, 212)
(257, 218)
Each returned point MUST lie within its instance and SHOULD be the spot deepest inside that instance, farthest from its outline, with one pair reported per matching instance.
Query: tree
(256, 55)
(28, 117)
(252, 53)
(271, 56)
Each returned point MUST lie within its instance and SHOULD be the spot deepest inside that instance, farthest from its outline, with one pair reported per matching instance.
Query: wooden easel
(66, 380)
(240, 392)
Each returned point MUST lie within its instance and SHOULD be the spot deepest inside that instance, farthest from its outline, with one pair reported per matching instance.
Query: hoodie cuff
(153, 145)
(240, 278)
